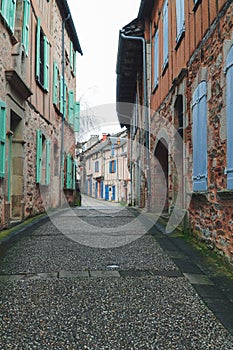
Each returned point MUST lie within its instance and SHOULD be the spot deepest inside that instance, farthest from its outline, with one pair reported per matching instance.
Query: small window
(112, 166)
(97, 166)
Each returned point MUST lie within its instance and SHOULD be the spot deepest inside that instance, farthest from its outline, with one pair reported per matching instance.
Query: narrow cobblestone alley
(70, 283)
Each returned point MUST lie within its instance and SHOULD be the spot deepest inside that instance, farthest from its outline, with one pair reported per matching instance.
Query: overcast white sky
(97, 24)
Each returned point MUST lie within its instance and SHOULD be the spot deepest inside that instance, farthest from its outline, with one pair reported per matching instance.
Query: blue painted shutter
(47, 176)
(113, 193)
(101, 189)
(38, 155)
(38, 50)
(90, 187)
(77, 117)
(2, 138)
(165, 33)
(25, 30)
(71, 107)
(96, 189)
(199, 107)
(55, 83)
(180, 19)
(46, 64)
(229, 116)
(106, 193)
(156, 59)
(115, 165)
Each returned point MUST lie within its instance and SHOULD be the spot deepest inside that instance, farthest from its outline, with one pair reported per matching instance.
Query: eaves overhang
(129, 64)
(65, 12)
(145, 9)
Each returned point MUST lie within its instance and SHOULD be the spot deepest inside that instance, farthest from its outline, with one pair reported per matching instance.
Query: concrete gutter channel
(215, 290)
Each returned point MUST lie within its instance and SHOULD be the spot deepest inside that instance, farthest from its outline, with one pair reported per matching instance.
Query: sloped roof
(65, 11)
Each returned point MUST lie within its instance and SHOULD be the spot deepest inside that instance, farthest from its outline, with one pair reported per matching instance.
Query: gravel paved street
(89, 279)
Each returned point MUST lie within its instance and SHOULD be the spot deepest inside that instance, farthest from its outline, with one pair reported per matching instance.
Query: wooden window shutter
(2, 138)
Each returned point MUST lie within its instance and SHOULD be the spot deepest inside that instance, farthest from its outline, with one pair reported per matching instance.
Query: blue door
(101, 189)
(113, 193)
(106, 193)
(96, 189)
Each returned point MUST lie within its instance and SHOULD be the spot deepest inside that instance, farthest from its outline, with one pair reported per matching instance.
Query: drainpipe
(63, 107)
(145, 103)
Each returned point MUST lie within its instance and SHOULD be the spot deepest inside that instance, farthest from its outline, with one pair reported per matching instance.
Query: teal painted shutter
(74, 69)
(2, 138)
(55, 83)
(74, 175)
(25, 30)
(47, 178)
(199, 107)
(38, 50)
(165, 33)
(71, 107)
(156, 59)
(46, 64)
(38, 155)
(5, 9)
(61, 95)
(110, 167)
(11, 21)
(71, 56)
(65, 92)
(77, 117)
(229, 116)
(68, 172)
(180, 19)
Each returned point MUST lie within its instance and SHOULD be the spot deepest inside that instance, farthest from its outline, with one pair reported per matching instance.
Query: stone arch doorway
(161, 175)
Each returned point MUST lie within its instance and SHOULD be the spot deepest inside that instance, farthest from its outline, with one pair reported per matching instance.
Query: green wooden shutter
(11, 18)
(5, 9)
(74, 175)
(38, 50)
(71, 107)
(38, 155)
(65, 92)
(25, 30)
(71, 56)
(61, 95)
(47, 178)
(55, 83)
(46, 64)
(2, 138)
(74, 69)
(68, 172)
(77, 117)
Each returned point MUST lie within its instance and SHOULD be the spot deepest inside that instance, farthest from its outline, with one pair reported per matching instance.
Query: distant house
(176, 60)
(103, 169)
(34, 96)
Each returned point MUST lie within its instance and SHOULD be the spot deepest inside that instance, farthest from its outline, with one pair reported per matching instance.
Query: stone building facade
(103, 169)
(37, 144)
(189, 79)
